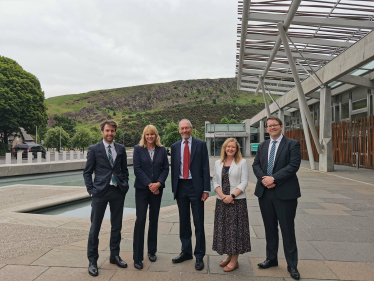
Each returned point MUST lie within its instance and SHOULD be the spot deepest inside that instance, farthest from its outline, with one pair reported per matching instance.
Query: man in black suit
(191, 186)
(276, 163)
(109, 162)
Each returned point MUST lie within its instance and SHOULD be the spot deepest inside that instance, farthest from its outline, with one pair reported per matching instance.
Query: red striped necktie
(186, 160)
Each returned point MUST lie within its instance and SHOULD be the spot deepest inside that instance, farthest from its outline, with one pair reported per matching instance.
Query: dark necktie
(186, 160)
(271, 159)
(112, 164)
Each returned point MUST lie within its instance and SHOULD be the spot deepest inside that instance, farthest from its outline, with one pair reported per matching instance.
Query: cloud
(82, 45)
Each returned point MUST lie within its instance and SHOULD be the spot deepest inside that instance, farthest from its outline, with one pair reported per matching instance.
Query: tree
(52, 138)
(21, 100)
(224, 120)
(119, 136)
(170, 134)
(67, 123)
(82, 138)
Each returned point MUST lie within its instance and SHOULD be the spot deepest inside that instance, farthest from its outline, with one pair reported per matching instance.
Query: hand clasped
(268, 181)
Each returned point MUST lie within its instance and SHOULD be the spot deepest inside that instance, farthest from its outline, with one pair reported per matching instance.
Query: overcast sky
(83, 45)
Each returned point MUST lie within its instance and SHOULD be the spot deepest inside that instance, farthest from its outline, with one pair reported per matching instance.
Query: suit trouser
(284, 211)
(116, 199)
(143, 198)
(186, 199)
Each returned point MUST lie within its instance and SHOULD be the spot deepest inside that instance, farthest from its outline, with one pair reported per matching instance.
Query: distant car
(26, 148)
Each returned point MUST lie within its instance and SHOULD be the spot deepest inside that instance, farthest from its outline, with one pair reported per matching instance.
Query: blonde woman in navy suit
(151, 168)
(231, 224)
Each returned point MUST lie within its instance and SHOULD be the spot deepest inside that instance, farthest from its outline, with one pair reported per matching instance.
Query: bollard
(48, 156)
(39, 157)
(64, 156)
(29, 157)
(71, 155)
(57, 156)
(78, 155)
(19, 157)
(85, 154)
(8, 158)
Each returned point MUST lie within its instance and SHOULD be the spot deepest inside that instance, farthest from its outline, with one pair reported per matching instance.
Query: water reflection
(82, 208)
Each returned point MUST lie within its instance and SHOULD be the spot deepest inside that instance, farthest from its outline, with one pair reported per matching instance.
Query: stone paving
(334, 230)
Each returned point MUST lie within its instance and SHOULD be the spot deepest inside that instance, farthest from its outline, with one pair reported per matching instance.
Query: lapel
(178, 154)
(157, 149)
(103, 151)
(280, 147)
(220, 173)
(233, 166)
(145, 151)
(117, 150)
(266, 150)
(193, 148)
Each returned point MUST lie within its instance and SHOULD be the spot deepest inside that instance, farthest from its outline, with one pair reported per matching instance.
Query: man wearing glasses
(276, 163)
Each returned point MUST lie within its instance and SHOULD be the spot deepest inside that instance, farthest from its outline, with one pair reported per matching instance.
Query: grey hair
(184, 120)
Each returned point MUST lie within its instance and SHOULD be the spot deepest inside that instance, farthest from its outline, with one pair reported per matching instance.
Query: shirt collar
(106, 144)
(278, 139)
(189, 140)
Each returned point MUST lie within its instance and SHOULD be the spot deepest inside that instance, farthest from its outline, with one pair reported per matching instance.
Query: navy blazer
(287, 163)
(98, 162)
(199, 166)
(147, 171)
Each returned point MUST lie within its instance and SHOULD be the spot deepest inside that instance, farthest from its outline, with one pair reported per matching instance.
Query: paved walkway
(334, 229)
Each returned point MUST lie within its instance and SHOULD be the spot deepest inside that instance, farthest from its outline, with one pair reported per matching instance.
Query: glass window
(345, 111)
(337, 114)
(359, 116)
(359, 94)
(345, 97)
(359, 104)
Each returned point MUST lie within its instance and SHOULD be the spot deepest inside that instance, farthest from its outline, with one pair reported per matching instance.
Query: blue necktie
(112, 164)
(271, 159)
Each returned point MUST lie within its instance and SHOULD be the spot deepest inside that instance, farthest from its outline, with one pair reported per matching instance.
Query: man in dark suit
(191, 186)
(276, 163)
(109, 162)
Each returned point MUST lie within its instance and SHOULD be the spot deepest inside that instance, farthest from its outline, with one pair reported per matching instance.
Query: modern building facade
(315, 60)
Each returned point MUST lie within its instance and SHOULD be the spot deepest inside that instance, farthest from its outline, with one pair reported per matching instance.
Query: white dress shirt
(276, 146)
(114, 153)
(182, 154)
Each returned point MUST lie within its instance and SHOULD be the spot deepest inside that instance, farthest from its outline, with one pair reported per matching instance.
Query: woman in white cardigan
(231, 224)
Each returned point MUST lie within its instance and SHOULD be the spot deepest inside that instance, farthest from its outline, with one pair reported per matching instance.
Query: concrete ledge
(45, 167)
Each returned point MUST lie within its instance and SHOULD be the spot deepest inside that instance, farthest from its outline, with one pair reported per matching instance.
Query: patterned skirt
(231, 228)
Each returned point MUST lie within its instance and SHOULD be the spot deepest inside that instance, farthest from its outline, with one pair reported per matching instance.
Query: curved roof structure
(318, 31)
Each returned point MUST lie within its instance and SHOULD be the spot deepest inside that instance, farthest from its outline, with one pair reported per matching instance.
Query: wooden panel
(353, 142)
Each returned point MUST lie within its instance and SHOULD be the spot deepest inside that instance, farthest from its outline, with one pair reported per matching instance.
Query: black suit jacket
(98, 162)
(199, 166)
(147, 171)
(287, 163)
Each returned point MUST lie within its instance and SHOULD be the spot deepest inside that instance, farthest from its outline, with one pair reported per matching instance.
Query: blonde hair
(150, 129)
(238, 155)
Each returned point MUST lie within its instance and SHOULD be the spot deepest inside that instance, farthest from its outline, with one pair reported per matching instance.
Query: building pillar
(262, 131)
(247, 140)
(281, 117)
(326, 159)
(209, 146)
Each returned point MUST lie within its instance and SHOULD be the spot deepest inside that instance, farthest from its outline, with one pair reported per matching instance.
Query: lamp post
(60, 143)
(36, 135)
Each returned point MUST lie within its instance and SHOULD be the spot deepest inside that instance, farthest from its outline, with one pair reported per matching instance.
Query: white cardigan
(238, 177)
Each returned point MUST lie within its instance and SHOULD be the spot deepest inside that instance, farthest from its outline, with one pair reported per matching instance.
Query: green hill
(198, 100)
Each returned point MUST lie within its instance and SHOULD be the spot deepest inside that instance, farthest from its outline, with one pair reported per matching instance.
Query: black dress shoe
(92, 269)
(182, 257)
(268, 263)
(199, 265)
(294, 272)
(138, 265)
(152, 258)
(118, 261)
